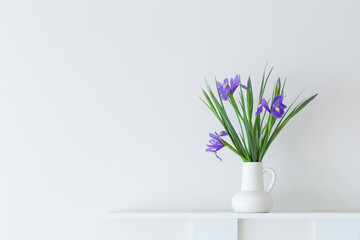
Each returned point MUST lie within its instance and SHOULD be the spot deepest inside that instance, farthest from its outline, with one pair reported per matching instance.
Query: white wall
(99, 110)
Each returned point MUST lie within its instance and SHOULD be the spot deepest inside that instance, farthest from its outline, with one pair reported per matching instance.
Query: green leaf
(283, 87)
(250, 99)
(264, 82)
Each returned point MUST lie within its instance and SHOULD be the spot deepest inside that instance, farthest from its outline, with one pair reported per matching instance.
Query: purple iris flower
(263, 104)
(215, 143)
(234, 83)
(277, 108)
(224, 89)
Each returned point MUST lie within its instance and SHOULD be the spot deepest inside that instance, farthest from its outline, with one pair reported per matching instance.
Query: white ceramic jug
(253, 197)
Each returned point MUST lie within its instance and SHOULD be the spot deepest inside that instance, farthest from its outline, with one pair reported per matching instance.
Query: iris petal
(223, 133)
(265, 104)
(234, 83)
(275, 113)
(224, 97)
(214, 136)
(218, 156)
(259, 109)
(278, 99)
(215, 143)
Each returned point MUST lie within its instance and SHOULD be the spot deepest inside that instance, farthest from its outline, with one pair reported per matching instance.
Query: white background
(100, 110)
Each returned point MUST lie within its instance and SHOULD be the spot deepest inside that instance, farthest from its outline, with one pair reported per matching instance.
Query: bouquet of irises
(256, 131)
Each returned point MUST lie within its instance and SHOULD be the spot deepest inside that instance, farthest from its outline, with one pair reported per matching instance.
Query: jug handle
(273, 174)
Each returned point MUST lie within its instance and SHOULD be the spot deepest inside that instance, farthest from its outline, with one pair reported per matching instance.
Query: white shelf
(218, 225)
(233, 215)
